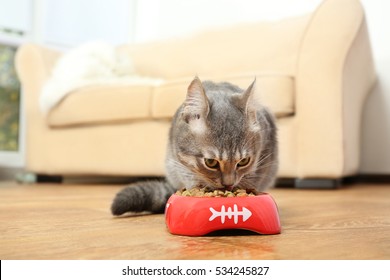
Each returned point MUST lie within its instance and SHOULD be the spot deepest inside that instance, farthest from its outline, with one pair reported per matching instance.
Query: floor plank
(74, 222)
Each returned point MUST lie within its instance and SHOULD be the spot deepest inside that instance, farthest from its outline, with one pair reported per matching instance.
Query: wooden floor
(74, 222)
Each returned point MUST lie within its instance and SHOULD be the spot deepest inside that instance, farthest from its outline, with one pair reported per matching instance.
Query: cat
(220, 137)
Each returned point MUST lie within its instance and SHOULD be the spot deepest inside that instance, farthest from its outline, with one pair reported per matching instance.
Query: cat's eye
(211, 163)
(244, 162)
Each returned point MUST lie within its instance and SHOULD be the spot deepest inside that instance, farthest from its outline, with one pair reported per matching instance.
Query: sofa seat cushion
(102, 104)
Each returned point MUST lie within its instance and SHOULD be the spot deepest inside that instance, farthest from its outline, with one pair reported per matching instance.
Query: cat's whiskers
(263, 159)
(185, 174)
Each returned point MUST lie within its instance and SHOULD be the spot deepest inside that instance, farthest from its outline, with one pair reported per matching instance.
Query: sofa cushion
(100, 104)
(97, 104)
(274, 91)
(239, 48)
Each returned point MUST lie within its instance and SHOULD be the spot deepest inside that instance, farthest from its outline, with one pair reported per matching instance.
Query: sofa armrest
(33, 65)
(335, 72)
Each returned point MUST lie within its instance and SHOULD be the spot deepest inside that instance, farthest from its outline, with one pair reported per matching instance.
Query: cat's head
(223, 148)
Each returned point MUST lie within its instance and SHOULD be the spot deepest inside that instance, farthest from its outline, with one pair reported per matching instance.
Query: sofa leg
(317, 183)
(43, 178)
(32, 178)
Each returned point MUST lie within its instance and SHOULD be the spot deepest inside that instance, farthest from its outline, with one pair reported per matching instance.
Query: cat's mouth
(217, 187)
(227, 188)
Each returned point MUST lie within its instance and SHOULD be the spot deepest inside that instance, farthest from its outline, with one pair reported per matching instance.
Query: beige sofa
(313, 71)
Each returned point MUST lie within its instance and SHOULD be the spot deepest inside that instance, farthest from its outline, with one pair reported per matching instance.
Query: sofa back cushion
(243, 48)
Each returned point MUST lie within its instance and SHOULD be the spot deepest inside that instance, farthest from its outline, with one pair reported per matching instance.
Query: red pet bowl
(196, 216)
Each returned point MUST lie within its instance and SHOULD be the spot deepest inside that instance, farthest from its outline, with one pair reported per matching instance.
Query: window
(9, 100)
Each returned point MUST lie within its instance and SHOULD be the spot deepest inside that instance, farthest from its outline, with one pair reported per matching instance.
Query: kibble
(210, 192)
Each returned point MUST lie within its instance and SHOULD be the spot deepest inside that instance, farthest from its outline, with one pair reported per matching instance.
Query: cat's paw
(130, 199)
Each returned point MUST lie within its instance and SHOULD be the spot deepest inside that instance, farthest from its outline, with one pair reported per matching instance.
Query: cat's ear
(251, 106)
(196, 106)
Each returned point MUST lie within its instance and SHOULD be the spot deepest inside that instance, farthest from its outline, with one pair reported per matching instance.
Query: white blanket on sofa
(94, 63)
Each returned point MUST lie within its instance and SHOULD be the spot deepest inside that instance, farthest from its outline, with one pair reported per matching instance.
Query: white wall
(169, 18)
(376, 117)
(12, 16)
(15, 22)
(73, 22)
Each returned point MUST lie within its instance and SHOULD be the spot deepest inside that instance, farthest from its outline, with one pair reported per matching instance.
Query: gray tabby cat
(220, 137)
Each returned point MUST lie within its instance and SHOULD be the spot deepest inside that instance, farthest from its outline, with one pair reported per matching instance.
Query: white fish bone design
(245, 213)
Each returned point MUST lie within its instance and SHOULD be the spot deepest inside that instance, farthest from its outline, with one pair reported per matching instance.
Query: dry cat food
(210, 192)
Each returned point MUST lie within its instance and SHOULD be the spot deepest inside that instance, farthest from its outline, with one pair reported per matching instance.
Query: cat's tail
(142, 196)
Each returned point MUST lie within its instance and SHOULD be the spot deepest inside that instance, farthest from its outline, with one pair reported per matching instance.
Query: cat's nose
(228, 187)
(228, 180)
